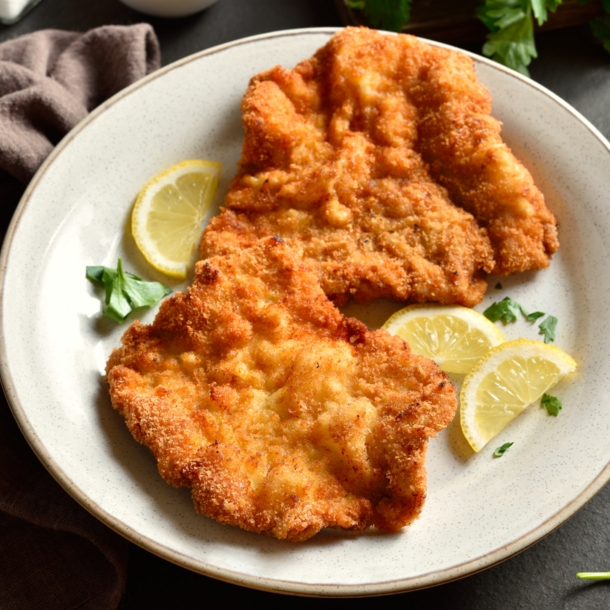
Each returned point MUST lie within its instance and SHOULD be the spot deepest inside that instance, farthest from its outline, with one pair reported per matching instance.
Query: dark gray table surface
(570, 63)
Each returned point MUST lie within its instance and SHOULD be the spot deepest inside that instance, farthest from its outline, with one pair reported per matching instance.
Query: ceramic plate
(54, 342)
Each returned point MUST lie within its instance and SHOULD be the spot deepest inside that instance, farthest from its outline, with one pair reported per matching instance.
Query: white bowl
(169, 8)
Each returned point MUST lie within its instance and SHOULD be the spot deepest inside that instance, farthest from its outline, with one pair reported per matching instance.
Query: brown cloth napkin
(50, 80)
(53, 554)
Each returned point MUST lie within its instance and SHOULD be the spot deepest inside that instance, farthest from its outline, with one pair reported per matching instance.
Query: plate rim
(429, 579)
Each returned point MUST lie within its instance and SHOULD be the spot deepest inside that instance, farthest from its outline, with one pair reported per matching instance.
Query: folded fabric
(53, 553)
(50, 80)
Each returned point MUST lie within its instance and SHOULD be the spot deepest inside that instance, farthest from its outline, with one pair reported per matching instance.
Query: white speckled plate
(54, 344)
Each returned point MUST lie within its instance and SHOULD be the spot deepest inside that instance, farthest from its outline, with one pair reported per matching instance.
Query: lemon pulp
(167, 215)
(505, 382)
(454, 337)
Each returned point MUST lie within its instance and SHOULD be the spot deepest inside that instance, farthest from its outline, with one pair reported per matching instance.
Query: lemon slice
(166, 218)
(454, 337)
(504, 382)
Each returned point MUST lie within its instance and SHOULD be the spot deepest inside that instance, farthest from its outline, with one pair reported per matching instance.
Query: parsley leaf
(601, 28)
(547, 328)
(540, 7)
(511, 40)
(390, 15)
(499, 14)
(118, 305)
(124, 291)
(552, 404)
(594, 575)
(500, 451)
(506, 310)
(511, 25)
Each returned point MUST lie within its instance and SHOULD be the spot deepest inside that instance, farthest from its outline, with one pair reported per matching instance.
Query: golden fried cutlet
(336, 161)
(282, 415)
(461, 141)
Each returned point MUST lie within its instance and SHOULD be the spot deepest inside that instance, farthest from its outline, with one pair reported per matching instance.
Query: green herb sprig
(594, 575)
(125, 291)
(547, 328)
(552, 404)
(601, 27)
(510, 23)
(508, 311)
(505, 310)
(500, 451)
(390, 15)
(511, 38)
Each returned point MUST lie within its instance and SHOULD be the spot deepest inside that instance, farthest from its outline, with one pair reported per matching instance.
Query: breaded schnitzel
(461, 141)
(353, 157)
(282, 415)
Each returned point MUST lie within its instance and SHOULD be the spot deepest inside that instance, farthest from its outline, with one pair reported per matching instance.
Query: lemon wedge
(454, 337)
(167, 216)
(504, 382)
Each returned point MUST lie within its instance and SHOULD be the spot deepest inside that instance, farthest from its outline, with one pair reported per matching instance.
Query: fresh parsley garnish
(510, 22)
(552, 404)
(390, 15)
(601, 27)
(125, 291)
(594, 575)
(506, 310)
(539, 7)
(500, 451)
(511, 38)
(547, 328)
(532, 317)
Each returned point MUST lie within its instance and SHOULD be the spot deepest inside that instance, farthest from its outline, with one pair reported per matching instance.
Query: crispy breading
(461, 141)
(282, 415)
(348, 157)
